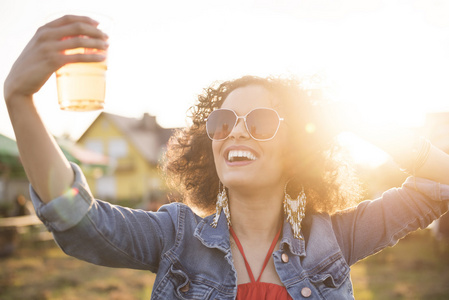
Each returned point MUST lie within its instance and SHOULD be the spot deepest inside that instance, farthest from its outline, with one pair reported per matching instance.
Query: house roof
(145, 134)
(80, 154)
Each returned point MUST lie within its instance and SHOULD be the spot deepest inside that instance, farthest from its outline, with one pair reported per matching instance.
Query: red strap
(267, 258)
(273, 244)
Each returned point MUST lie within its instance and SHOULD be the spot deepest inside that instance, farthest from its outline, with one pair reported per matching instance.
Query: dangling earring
(222, 204)
(295, 210)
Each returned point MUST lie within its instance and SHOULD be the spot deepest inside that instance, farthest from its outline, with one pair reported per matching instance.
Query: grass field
(39, 270)
(413, 269)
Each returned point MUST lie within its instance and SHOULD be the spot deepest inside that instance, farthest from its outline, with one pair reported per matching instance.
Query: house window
(117, 148)
(106, 188)
(95, 146)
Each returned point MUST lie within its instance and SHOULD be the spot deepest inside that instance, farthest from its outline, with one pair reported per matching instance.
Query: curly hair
(315, 160)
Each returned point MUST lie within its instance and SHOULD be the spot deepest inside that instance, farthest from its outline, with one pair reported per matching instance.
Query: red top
(256, 290)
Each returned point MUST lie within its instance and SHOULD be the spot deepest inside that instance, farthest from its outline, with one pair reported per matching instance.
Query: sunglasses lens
(262, 123)
(220, 124)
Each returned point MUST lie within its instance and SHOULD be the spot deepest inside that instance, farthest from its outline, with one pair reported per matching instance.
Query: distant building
(134, 148)
(13, 180)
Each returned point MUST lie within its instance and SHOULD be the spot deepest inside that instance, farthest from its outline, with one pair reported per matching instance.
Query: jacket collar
(214, 237)
(297, 246)
(219, 237)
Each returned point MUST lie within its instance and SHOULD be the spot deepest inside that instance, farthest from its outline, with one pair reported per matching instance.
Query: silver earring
(222, 204)
(295, 210)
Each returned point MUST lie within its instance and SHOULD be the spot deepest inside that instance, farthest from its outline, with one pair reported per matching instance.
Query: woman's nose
(239, 131)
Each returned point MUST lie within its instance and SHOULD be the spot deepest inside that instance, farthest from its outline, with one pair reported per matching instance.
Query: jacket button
(185, 288)
(306, 292)
(284, 257)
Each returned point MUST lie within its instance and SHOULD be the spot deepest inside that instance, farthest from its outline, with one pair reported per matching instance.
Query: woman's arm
(46, 167)
(374, 225)
(411, 152)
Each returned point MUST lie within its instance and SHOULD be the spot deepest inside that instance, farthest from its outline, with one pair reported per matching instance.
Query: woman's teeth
(234, 155)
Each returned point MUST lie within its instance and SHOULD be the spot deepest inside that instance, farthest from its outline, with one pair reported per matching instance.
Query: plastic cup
(82, 86)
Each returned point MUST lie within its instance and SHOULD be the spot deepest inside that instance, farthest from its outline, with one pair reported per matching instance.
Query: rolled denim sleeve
(106, 234)
(374, 225)
(67, 210)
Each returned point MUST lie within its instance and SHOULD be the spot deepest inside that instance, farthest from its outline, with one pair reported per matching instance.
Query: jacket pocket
(177, 284)
(332, 279)
(332, 273)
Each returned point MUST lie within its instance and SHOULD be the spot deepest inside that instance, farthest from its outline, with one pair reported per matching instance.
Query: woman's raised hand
(47, 169)
(45, 53)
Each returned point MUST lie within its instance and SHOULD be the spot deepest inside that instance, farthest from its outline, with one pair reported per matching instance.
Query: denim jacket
(193, 260)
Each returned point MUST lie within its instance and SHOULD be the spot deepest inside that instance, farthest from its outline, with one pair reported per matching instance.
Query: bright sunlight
(384, 59)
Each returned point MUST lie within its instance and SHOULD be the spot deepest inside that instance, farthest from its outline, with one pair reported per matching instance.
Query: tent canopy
(9, 153)
(10, 157)
(8, 147)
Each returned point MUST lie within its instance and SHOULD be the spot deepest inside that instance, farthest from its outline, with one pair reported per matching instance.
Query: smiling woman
(267, 163)
(304, 149)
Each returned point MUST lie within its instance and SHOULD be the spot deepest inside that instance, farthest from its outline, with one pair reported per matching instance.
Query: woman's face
(260, 163)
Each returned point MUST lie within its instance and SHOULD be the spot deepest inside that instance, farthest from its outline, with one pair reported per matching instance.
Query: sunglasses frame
(237, 118)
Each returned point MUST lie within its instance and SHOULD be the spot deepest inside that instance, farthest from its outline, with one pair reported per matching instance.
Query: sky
(390, 58)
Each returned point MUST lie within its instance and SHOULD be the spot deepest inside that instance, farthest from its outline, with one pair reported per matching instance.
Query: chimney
(148, 122)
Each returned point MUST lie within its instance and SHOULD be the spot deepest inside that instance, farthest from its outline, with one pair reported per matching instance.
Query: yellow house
(133, 147)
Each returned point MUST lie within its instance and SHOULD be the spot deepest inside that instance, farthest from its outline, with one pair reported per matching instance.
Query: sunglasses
(262, 123)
